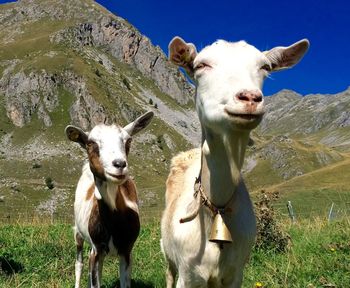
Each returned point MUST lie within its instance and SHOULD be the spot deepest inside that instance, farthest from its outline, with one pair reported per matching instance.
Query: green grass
(42, 255)
(60, 117)
(316, 202)
(312, 194)
(319, 255)
(33, 40)
(332, 176)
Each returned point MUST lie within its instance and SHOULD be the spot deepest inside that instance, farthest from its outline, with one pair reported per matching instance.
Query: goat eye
(92, 146)
(266, 67)
(200, 66)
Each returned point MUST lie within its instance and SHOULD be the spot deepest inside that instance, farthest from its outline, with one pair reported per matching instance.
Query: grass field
(312, 194)
(42, 255)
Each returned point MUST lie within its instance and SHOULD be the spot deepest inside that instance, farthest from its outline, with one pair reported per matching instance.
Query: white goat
(106, 206)
(229, 103)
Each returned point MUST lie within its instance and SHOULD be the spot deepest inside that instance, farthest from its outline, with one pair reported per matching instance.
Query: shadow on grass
(134, 284)
(9, 266)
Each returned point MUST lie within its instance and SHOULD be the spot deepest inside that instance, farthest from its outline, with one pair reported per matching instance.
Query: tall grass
(42, 255)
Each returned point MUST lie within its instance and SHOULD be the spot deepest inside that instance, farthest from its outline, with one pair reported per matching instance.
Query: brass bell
(219, 231)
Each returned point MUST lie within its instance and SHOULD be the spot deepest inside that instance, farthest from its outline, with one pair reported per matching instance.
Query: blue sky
(264, 24)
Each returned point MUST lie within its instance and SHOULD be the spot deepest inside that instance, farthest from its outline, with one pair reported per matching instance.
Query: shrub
(269, 233)
(36, 165)
(98, 73)
(126, 83)
(49, 183)
(160, 142)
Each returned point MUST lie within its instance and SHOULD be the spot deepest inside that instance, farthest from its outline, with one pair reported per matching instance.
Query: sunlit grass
(42, 255)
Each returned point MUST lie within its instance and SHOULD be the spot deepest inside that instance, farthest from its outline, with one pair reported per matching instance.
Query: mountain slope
(316, 118)
(73, 62)
(65, 62)
(302, 149)
(314, 193)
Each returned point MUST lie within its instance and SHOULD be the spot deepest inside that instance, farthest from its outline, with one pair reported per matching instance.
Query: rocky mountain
(325, 118)
(301, 149)
(73, 62)
(299, 134)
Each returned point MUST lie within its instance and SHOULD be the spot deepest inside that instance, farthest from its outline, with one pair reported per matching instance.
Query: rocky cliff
(86, 23)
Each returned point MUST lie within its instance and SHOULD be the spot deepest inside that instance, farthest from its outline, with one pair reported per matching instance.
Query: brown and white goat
(229, 103)
(106, 206)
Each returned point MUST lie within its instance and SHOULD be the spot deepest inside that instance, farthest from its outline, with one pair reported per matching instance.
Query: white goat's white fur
(229, 104)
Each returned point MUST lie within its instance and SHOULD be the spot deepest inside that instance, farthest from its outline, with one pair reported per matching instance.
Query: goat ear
(139, 124)
(75, 134)
(182, 54)
(286, 57)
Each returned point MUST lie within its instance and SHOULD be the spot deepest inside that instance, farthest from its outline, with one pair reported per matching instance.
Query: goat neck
(221, 165)
(107, 191)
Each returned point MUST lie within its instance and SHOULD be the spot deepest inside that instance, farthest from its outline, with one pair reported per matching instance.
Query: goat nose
(249, 96)
(119, 163)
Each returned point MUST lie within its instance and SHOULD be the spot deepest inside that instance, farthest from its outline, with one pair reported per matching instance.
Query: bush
(98, 73)
(126, 83)
(49, 183)
(36, 165)
(269, 234)
(160, 142)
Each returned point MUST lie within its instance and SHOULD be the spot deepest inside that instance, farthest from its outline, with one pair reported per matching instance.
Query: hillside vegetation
(301, 149)
(73, 62)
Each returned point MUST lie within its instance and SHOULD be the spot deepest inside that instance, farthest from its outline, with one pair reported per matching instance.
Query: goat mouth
(119, 177)
(245, 116)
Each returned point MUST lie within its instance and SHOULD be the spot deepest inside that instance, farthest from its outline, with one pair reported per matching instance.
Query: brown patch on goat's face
(94, 159)
(90, 192)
